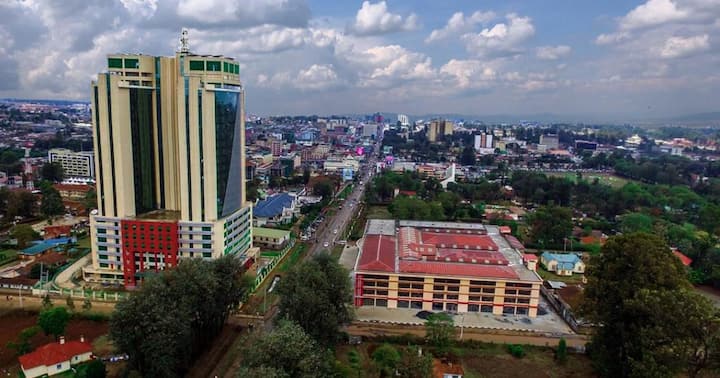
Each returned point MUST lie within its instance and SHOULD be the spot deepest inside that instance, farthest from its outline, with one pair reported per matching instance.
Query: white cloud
(376, 19)
(501, 39)
(610, 38)
(678, 47)
(458, 24)
(314, 78)
(243, 13)
(140, 8)
(552, 52)
(467, 74)
(654, 12)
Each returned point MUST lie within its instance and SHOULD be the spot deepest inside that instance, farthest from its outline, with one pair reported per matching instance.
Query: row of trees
(176, 314)
(315, 301)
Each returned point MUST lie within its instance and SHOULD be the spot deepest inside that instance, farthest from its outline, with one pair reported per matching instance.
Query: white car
(326, 244)
(335, 231)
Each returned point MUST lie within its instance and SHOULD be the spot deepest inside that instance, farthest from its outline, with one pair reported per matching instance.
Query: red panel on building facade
(147, 246)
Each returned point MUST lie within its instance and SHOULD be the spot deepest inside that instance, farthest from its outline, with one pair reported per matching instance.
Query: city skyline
(612, 60)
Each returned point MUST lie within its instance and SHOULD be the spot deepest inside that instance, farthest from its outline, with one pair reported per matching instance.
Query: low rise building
(562, 264)
(55, 358)
(271, 238)
(276, 209)
(443, 266)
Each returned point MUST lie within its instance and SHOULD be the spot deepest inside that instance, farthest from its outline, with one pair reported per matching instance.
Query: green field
(7, 256)
(378, 212)
(604, 178)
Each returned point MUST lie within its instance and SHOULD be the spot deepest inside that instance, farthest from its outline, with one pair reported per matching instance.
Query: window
(102, 248)
(522, 311)
(486, 308)
(437, 306)
(101, 231)
(403, 304)
(474, 298)
(115, 63)
(132, 63)
(207, 246)
(438, 296)
(197, 65)
(381, 302)
(59, 366)
(473, 308)
(207, 237)
(509, 310)
(102, 239)
(212, 65)
(487, 299)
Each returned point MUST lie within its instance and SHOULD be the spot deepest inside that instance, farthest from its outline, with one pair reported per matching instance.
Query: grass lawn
(84, 242)
(574, 279)
(336, 251)
(7, 256)
(378, 212)
(293, 257)
(605, 178)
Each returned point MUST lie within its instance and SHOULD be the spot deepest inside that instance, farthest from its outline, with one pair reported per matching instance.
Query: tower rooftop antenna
(184, 45)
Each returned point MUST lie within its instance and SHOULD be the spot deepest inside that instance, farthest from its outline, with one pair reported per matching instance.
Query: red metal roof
(459, 240)
(684, 259)
(54, 353)
(505, 229)
(378, 253)
(458, 269)
(529, 257)
(514, 242)
(480, 256)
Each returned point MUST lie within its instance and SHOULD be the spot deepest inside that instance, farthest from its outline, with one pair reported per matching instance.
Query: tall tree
(51, 204)
(317, 296)
(621, 279)
(386, 359)
(415, 363)
(287, 351)
(52, 172)
(467, 157)
(440, 330)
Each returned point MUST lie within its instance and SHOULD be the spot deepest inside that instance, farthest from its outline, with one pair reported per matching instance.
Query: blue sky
(600, 59)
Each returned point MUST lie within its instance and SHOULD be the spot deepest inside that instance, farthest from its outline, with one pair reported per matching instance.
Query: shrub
(516, 350)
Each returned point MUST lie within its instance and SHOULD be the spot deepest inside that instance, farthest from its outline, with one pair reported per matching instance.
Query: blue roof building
(276, 209)
(563, 264)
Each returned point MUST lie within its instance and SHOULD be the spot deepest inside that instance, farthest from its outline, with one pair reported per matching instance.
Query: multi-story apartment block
(75, 164)
(169, 138)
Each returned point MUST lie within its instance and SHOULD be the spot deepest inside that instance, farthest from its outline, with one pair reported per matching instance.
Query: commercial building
(270, 238)
(438, 128)
(443, 266)
(276, 209)
(169, 136)
(75, 164)
(550, 141)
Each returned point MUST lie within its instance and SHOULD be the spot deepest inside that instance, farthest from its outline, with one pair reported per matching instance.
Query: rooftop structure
(458, 255)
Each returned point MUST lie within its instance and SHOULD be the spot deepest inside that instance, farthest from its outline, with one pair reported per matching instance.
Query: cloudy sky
(610, 58)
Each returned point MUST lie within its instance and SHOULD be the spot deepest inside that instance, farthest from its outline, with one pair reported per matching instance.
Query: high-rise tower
(169, 138)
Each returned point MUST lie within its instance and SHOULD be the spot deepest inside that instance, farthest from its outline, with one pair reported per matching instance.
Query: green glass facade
(141, 126)
(228, 152)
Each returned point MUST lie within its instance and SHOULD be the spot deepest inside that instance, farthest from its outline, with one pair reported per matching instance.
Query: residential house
(562, 264)
(276, 209)
(55, 358)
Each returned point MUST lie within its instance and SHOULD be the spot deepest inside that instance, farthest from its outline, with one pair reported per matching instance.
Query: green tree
(317, 296)
(562, 351)
(467, 157)
(24, 234)
(619, 282)
(23, 345)
(53, 321)
(415, 363)
(95, 369)
(440, 331)
(636, 222)
(87, 304)
(550, 225)
(386, 359)
(70, 303)
(46, 302)
(90, 200)
(52, 172)
(51, 204)
(289, 352)
(323, 188)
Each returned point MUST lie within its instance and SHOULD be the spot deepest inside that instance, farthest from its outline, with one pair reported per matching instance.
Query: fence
(263, 272)
(94, 295)
(562, 308)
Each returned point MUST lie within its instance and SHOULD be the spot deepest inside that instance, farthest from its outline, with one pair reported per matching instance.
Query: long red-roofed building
(444, 266)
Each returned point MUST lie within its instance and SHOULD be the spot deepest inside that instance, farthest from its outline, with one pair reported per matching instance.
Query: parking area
(549, 322)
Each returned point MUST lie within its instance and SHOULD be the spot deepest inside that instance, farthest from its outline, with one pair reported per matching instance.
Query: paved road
(337, 223)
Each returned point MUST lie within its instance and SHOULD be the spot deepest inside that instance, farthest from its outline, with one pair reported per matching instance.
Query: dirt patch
(538, 363)
(11, 323)
(572, 295)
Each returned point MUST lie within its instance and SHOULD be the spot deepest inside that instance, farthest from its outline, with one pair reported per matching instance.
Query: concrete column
(392, 291)
(499, 299)
(463, 295)
(428, 293)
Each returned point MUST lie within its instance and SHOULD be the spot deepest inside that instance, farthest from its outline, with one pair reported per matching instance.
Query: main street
(332, 229)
